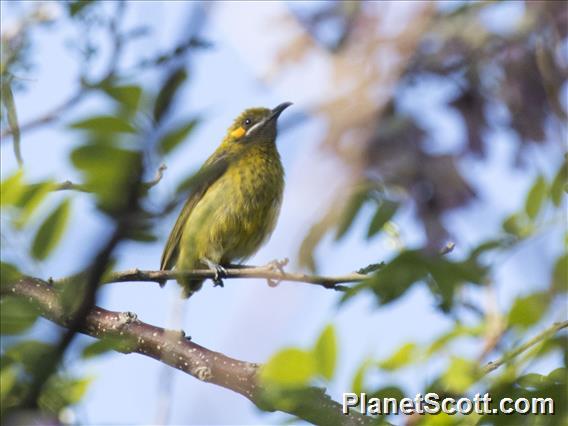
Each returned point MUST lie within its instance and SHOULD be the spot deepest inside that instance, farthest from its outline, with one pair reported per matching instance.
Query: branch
(68, 185)
(272, 272)
(157, 178)
(52, 115)
(547, 333)
(174, 349)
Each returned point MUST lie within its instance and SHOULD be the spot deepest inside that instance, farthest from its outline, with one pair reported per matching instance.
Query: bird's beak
(278, 110)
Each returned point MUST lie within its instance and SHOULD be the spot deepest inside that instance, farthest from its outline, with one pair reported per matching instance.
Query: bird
(233, 210)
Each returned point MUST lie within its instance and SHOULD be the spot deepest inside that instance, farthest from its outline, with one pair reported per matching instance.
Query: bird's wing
(212, 170)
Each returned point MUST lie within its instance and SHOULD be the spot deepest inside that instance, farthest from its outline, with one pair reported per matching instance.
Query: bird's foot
(220, 272)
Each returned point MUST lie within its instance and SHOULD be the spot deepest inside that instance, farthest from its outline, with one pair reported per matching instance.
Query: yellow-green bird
(234, 210)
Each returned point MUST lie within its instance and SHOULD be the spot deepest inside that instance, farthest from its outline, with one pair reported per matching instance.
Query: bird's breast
(240, 210)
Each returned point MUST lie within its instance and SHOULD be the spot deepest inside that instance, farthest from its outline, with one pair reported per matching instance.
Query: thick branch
(174, 349)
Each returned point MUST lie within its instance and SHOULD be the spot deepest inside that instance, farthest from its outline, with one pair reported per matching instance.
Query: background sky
(247, 319)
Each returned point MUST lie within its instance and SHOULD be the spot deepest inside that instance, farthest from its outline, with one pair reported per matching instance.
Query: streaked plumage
(233, 212)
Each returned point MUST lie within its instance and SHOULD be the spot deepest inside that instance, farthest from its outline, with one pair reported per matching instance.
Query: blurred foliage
(295, 368)
(461, 376)
(499, 79)
(115, 149)
(290, 378)
(19, 363)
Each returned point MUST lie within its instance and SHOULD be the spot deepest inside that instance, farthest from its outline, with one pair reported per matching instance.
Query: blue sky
(247, 319)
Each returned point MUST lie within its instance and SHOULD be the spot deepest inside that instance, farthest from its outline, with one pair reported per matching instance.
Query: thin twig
(50, 116)
(157, 178)
(496, 324)
(117, 40)
(547, 333)
(68, 185)
(268, 272)
(448, 248)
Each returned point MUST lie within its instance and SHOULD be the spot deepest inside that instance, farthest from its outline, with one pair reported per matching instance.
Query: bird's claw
(219, 273)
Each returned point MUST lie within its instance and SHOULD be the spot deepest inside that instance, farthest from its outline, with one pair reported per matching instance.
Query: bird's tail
(190, 287)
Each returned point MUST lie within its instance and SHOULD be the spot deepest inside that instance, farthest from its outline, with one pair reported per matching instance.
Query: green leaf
(446, 338)
(128, 95)
(104, 124)
(51, 231)
(355, 289)
(412, 266)
(358, 383)
(16, 315)
(385, 211)
(440, 419)
(350, 211)
(560, 274)
(289, 368)
(405, 355)
(325, 352)
(532, 380)
(107, 172)
(166, 95)
(536, 197)
(8, 273)
(461, 374)
(395, 278)
(516, 225)
(8, 379)
(142, 235)
(174, 137)
(110, 343)
(310, 242)
(31, 198)
(77, 6)
(388, 392)
(295, 399)
(12, 117)
(528, 310)
(447, 276)
(559, 375)
(31, 354)
(490, 245)
(61, 392)
(11, 188)
(558, 184)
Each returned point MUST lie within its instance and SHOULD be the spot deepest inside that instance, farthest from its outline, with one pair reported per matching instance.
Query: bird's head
(256, 125)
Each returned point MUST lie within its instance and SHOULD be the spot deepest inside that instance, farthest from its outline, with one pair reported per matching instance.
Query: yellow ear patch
(238, 133)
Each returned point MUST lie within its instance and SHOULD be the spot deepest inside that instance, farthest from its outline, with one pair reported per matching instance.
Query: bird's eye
(248, 122)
